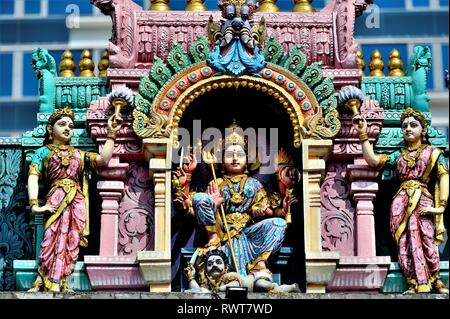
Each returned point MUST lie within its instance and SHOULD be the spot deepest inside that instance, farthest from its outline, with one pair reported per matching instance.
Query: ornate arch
(169, 88)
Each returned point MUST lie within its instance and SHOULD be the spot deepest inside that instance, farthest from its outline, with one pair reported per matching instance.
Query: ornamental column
(320, 265)
(156, 265)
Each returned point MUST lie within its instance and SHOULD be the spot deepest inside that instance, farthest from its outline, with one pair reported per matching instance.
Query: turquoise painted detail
(236, 61)
(396, 283)
(15, 237)
(398, 93)
(45, 67)
(25, 272)
(418, 67)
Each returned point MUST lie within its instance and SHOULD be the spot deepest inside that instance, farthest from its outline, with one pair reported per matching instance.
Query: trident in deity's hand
(210, 158)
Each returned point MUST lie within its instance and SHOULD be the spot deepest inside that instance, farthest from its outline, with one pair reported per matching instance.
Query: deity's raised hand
(209, 157)
(115, 123)
(360, 124)
(191, 165)
(213, 191)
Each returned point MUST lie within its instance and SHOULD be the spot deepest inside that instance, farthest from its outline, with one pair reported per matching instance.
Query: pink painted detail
(346, 145)
(360, 274)
(364, 188)
(337, 211)
(138, 36)
(122, 53)
(136, 221)
(109, 219)
(346, 12)
(129, 77)
(127, 146)
(114, 273)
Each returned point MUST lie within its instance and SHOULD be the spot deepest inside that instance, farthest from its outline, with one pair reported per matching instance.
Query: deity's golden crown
(234, 135)
(409, 112)
(65, 111)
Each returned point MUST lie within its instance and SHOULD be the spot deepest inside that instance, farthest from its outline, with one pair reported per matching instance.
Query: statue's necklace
(64, 153)
(237, 197)
(412, 159)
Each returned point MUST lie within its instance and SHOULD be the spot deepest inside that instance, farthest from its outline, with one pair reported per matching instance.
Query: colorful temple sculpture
(169, 216)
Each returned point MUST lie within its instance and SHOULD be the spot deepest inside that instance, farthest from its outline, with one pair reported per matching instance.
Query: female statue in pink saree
(65, 169)
(417, 209)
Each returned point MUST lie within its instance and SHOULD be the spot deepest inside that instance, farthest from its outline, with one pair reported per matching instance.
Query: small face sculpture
(412, 130)
(234, 159)
(62, 130)
(215, 266)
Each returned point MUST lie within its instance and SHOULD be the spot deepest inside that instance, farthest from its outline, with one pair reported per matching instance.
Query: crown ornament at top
(65, 111)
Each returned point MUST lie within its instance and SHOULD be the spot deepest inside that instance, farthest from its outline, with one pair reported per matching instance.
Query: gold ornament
(65, 111)
(103, 64)
(237, 197)
(86, 64)
(235, 138)
(361, 62)
(64, 153)
(268, 6)
(395, 64)
(159, 5)
(412, 159)
(67, 65)
(409, 112)
(195, 5)
(376, 64)
(303, 6)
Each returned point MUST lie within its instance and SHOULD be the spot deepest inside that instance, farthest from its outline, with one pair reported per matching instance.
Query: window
(32, 6)
(59, 7)
(6, 7)
(5, 74)
(421, 3)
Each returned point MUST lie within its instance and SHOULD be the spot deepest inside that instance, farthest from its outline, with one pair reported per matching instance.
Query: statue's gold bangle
(363, 137)
(443, 203)
(188, 177)
(34, 202)
(111, 134)
(190, 278)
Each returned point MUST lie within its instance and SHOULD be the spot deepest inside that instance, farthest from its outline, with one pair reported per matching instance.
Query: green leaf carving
(313, 75)
(148, 89)
(159, 72)
(199, 49)
(324, 89)
(141, 103)
(273, 50)
(328, 104)
(296, 61)
(177, 59)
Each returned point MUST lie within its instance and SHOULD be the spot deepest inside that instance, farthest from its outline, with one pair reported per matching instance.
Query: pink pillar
(365, 223)
(110, 217)
(364, 188)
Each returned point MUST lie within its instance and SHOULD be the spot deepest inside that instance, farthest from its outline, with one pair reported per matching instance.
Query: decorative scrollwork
(15, 238)
(136, 214)
(156, 126)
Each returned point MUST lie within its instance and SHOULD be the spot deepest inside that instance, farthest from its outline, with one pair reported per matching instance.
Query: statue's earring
(424, 136)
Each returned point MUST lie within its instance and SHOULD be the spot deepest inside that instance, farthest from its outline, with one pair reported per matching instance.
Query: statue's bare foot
(65, 288)
(411, 291)
(36, 285)
(440, 287)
